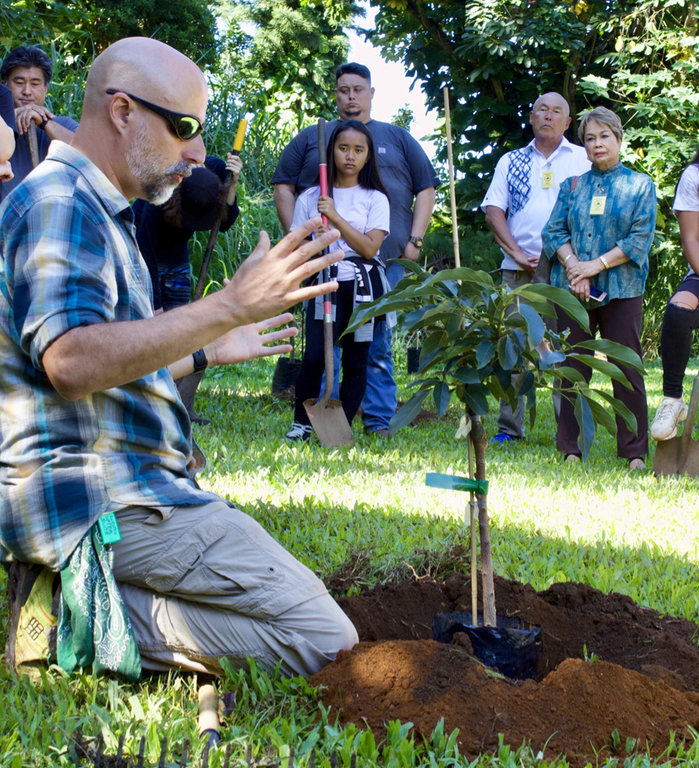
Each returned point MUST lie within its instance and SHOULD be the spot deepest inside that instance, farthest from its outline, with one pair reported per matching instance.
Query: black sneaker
(32, 600)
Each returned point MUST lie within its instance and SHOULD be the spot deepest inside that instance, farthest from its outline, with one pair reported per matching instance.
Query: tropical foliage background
(275, 59)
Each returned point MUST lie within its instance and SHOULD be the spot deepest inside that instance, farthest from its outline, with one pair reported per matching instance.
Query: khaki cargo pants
(202, 583)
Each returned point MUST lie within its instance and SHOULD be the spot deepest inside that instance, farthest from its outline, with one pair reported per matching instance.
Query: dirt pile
(643, 685)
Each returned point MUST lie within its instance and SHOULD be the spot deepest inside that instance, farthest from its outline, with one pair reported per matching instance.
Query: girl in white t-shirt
(682, 312)
(357, 205)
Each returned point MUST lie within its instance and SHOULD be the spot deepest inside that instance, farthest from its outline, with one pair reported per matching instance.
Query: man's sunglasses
(185, 127)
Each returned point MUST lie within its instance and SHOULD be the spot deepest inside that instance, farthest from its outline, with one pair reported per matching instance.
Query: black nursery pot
(285, 374)
(414, 359)
(512, 647)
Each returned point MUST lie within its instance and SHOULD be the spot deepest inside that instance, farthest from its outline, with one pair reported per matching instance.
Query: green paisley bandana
(93, 627)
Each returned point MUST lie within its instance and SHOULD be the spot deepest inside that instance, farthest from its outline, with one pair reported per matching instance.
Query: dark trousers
(676, 338)
(619, 321)
(354, 359)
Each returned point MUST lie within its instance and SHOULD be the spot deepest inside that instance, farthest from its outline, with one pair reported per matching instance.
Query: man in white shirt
(519, 202)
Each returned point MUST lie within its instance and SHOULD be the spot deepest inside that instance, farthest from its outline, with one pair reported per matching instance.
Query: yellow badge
(547, 179)
(597, 205)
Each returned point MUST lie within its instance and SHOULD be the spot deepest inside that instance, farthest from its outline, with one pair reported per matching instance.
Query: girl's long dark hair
(369, 176)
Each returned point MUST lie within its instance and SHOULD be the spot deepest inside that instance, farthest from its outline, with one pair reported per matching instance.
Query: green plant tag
(453, 483)
(109, 528)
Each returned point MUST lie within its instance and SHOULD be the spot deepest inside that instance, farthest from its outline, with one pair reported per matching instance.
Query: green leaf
(467, 375)
(485, 353)
(618, 352)
(550, 357)
(602, 416)
(433, 341)
(620, 409)
(566, 301)
(406, 413)
(586, 423)
(476, 398)
(465, 275)
(567, 372)
(603, 366)
(524, 383)
(441, 394)
(535, 325)
(507, 354)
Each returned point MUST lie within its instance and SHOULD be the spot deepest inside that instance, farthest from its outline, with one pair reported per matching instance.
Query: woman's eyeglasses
(185, 127)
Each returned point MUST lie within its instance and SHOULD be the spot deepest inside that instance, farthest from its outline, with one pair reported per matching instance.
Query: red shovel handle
(323, 162)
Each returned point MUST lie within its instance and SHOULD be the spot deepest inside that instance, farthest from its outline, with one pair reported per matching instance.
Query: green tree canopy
(496, 56)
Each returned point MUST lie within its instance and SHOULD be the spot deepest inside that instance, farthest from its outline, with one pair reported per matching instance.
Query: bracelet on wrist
(569, 256)
(605, 263)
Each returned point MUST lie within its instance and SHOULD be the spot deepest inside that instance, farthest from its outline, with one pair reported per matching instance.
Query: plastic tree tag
(453, 483)
(109, 528)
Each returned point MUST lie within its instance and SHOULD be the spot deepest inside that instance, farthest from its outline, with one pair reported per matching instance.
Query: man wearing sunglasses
(26, 72)
(92, 426)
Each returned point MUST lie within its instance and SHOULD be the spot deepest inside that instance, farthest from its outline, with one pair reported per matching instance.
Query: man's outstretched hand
(250, 341)
(270, 280)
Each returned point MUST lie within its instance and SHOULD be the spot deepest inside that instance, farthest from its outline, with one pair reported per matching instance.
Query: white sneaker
(671, 412)
(299, 431)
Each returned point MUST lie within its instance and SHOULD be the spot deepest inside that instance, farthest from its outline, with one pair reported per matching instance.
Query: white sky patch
(392, 86)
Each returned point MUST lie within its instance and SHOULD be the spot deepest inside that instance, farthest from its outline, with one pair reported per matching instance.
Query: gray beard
(143, 163)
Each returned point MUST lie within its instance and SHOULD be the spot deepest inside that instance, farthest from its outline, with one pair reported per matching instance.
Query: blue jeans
(381, 396)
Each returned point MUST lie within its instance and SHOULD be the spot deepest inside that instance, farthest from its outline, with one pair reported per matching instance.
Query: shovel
(680, 455)
(327, 416)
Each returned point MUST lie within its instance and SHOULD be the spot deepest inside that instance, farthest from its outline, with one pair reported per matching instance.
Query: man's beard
(143, 162)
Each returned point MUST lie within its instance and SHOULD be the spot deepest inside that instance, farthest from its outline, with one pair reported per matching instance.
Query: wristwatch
(199, 360)
(416, 241)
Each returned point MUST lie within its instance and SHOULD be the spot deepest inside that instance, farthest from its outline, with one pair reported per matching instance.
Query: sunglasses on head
(185, 127)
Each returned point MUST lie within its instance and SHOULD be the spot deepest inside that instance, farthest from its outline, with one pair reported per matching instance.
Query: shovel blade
(329, 422)
(676, 456)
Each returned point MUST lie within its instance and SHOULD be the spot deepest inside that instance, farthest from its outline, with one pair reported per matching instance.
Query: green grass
(366, 510)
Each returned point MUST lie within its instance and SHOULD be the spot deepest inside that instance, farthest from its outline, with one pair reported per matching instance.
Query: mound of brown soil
(643, 685)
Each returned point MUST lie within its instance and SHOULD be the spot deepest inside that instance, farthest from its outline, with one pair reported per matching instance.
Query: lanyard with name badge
(597, 205)
(547, 179)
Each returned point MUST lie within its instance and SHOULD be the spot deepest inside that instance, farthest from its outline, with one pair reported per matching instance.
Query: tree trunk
(480, 442)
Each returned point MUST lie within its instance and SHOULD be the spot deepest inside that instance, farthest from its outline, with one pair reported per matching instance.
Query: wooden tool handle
(328, 359)
(686, 439)
(208, 711)
(33, 144)
(692, 413)
(323, 162)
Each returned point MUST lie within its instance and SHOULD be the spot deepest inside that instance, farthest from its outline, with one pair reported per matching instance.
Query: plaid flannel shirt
(68, 257)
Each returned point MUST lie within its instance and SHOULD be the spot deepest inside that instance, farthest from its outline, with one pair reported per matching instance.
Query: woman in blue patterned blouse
(598, 238)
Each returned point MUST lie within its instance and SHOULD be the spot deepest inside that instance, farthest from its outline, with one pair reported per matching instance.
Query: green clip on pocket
(109, 528)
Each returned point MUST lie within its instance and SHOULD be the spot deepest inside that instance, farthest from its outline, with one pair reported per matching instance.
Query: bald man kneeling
(93, 429)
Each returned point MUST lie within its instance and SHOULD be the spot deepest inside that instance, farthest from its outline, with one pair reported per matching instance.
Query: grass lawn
(367, 505)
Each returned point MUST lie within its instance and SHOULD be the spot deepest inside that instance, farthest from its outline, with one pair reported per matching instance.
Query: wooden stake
(473, 510)
(452, 192)
(480, 441)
